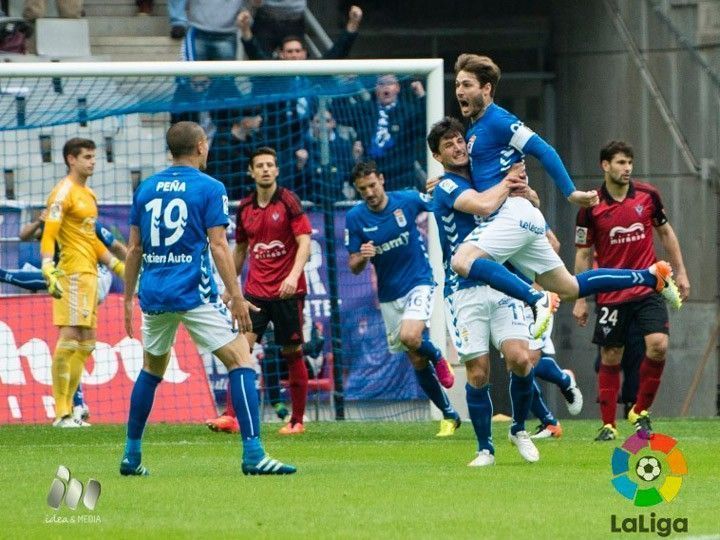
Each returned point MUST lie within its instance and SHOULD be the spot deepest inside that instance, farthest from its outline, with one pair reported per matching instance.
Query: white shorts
(517, 234)
(104, 282)
(477, 315)
(416, 305)
(209, 326)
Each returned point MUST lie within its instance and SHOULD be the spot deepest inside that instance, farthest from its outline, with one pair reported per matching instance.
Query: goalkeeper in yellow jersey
(71, 216)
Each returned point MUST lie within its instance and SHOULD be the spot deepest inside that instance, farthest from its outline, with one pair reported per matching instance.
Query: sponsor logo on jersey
(624, 235)
(402, 240)
(370, 229)
(400, 217)
(271, 250)
(448, 186)
(532, 227)
(581, 235)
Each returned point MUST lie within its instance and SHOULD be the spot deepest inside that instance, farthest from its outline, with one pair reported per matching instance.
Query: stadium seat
(63, 38)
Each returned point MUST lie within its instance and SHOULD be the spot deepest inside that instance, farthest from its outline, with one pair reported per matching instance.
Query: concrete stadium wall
(601, 96)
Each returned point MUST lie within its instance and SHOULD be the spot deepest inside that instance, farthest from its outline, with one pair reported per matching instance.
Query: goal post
(104, 98)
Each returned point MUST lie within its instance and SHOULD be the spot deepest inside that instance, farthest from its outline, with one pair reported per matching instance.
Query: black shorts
(286, 316)
(650, 316)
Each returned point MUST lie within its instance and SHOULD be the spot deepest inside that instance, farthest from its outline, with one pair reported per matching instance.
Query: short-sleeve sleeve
(104, 234)
(353, 238)
(507, 129)
(449, 190)
(299, 221)
(658, 211)
(584, 236)
(215, 213)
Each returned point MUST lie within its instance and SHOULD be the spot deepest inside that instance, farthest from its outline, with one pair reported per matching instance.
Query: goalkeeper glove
(117, 266)
(52, 275)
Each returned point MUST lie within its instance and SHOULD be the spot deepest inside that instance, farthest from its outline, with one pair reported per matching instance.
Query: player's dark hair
(74, 146)
(608, 152)
(363, 169)
(447, 127)
(182, 138)
(262, 151)
(288, 39)
(484, 69)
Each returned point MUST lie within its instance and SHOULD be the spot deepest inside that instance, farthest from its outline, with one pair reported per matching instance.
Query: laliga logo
(648, 471)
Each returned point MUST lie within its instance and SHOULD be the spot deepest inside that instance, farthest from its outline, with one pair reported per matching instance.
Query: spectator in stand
(344, 154)
(67, 9)
(211, 35)
(291, 43)
(230, 153)
(390, 125)
(144, 7)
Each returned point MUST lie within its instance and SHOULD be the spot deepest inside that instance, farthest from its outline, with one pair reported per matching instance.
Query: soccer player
(619, 232)
(496, 139)
(73, 283)
(475, 313)
(176, 215)
(383, 230)
(273, 232)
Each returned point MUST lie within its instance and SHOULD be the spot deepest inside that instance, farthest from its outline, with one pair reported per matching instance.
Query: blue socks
(428, 350)
(612, 279)
(503, 280)
(539, 408)
(521, 390)
(431, 386)
(548, 370)
(141, 401)
(245, 401)
(481, 410)
(78, 396)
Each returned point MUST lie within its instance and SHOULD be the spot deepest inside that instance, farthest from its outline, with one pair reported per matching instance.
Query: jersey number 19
(174, 224)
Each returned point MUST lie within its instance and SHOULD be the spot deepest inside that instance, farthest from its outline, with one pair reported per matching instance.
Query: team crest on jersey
(470, 143)
(400, 217)
(276, 216)
(639, 208)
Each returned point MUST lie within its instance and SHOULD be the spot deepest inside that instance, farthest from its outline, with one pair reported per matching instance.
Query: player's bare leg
(414, 337)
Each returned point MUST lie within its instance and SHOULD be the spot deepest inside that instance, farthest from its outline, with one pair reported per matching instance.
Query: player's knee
(478, 372)
(462, 260)
(519, 360)
(656, 349)
(611, 356)
(411, 339)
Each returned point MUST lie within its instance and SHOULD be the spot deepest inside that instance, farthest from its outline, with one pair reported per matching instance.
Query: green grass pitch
(355, 480)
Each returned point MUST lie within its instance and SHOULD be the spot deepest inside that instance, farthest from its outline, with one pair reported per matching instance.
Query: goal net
(320, 116)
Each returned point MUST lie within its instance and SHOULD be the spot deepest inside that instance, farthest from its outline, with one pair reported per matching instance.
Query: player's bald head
(183, 138)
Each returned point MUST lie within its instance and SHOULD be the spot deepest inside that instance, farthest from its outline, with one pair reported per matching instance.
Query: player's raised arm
(132, 271)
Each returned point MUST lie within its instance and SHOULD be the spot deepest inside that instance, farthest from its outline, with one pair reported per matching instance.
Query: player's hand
(128, 314)
(52, 277)
(244, 22)
(367, 250)
(288, 287)
(354, 17)
(431, 183)
(240, 310)
(585, 199)
(580, 312)
(683, 285)
(43, 215)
